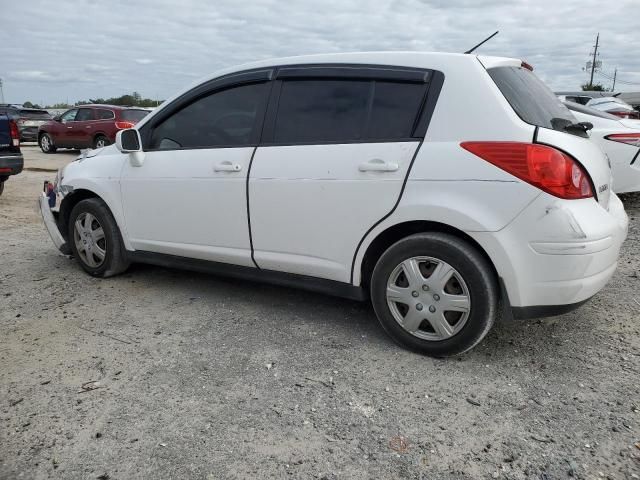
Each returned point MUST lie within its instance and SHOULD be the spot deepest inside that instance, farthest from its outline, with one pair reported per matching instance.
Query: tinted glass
(322, 111)
(394, 111)
(226, 118)
(133, 115)
(531, 98)
(104, 114)
(37, 114)
(69, 116)
(84, 114)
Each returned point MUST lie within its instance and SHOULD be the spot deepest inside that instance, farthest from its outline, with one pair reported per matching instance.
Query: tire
(100, 255)
(446, 276)
(2, 186)
(101, 141)
(46, 143)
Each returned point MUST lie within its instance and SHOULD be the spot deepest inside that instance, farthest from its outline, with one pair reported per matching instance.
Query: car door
(189, 196)
(79, 132)
(336, 150)
(61, 130)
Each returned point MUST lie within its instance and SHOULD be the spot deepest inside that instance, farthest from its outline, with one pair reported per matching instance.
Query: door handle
(69, 127)
(378, 165)
(227, 167)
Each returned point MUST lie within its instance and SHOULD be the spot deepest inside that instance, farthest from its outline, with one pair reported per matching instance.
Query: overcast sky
(57, 51)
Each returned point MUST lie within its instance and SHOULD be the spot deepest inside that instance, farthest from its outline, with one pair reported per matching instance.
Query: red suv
(87, 126)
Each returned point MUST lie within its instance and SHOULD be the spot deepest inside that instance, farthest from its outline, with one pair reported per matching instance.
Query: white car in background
(619, 139)
(366, 175)
(614, 106)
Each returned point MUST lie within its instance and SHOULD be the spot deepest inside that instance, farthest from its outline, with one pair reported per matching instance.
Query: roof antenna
(483, 41)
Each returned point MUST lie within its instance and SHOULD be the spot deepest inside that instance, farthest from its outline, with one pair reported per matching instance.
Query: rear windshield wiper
(580, 126)
(559, 123)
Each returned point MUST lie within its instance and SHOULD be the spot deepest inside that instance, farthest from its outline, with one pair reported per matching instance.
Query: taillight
(544, 167)
(123, 125)
(626, 115)
(628, 138)
(15, 133)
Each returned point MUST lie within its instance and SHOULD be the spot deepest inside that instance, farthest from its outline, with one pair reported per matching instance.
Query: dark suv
(87, 126)
(11, 161)
(28, 120)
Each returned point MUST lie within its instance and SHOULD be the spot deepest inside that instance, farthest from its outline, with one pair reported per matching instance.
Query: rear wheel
(46, 143)
(434, 293)
(95, 239)
(1, 186)
(101, 141)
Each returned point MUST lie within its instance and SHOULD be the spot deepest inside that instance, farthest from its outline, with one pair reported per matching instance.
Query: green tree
(596, 87)
(30, 105)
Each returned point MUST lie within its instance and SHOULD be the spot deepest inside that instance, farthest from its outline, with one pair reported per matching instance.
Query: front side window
(229, 117)
(320, 111)
(84, 114)
(69, 116)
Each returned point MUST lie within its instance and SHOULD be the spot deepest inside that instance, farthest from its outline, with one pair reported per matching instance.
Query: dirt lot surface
(168, 374)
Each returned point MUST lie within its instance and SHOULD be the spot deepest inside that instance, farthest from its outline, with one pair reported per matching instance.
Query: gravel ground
(161, 374)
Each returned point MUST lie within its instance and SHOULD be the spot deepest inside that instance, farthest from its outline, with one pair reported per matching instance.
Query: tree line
(134, 99)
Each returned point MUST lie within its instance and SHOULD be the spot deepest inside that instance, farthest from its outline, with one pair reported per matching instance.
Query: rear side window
(321, 111)
(133, 115)
(531, 98)
(225, 118)
(103, 114)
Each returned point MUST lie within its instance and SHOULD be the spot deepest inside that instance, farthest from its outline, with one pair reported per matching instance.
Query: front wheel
(95, 239)
(435, 293)
(46, 143)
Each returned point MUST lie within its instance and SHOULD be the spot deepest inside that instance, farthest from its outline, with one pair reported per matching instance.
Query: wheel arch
(75, 197)
(396, 232)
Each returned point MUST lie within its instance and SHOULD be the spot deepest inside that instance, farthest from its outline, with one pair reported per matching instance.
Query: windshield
(531, 98)
(133, 115)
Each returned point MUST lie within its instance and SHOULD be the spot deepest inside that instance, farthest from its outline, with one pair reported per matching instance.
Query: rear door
(536, 104)
(337, 147)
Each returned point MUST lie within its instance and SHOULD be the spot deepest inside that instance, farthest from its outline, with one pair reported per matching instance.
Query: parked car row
(363, 175)
(28, 120)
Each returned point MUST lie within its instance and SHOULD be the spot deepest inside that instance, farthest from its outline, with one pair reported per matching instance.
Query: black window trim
(226, 82)
(371, 73)
(275, 74)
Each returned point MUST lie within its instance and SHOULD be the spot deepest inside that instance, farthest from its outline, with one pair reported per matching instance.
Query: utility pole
(615, 73)
(1, 92)
(593, 64)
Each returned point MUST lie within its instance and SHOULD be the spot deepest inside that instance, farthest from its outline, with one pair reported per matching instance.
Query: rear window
(133, 115)
(41, 114)
(531, 98)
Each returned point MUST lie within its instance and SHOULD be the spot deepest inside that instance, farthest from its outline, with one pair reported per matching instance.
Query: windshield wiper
(580, 126)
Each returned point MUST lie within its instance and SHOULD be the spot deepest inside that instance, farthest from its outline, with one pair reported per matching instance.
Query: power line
(609, 77)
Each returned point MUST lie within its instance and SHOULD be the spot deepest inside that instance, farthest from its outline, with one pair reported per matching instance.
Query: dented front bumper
(52, 225)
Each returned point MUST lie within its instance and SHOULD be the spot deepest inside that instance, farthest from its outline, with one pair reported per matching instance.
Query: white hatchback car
(447, 188)
(619, 139)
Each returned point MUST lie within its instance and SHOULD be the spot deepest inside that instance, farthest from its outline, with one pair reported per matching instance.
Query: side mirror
(57, 118)
(128, 141)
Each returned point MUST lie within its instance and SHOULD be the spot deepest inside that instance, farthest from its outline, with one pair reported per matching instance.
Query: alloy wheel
(45, 143)
(428, 298)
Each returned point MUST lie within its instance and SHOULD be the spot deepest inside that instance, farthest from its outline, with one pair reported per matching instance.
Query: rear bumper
(29, 134)
(51, 225)
(557, 253)
(11, 164)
